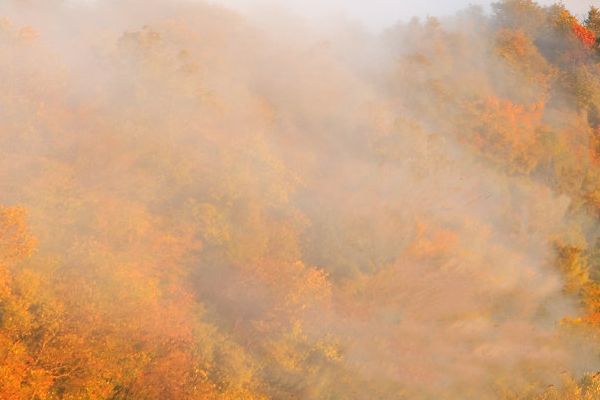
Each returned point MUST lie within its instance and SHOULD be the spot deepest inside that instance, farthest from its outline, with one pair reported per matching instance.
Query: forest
(200, 204)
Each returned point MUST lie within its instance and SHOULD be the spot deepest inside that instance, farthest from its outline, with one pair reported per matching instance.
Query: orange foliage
(431, 241)
(591, 297)
(199, 227)
(509, 131)
(594, 146)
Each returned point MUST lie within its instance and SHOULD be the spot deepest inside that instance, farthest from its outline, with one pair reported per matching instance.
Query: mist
(375, 15)
(202, 204)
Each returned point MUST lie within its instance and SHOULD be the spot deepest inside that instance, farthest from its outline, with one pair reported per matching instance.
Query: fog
(304, 187)
(376, 14)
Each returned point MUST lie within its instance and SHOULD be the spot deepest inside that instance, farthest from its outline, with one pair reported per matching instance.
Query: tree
(592, 22)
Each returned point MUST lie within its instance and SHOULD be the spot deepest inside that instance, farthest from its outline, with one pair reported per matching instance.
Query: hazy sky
(380, 13)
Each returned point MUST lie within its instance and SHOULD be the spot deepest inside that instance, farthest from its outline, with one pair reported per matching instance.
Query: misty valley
(197, 203)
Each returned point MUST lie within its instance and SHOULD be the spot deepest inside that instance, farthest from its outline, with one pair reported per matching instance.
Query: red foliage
(587, 37)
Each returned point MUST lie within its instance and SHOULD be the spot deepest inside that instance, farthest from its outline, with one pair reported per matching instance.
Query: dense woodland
(200, 205)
